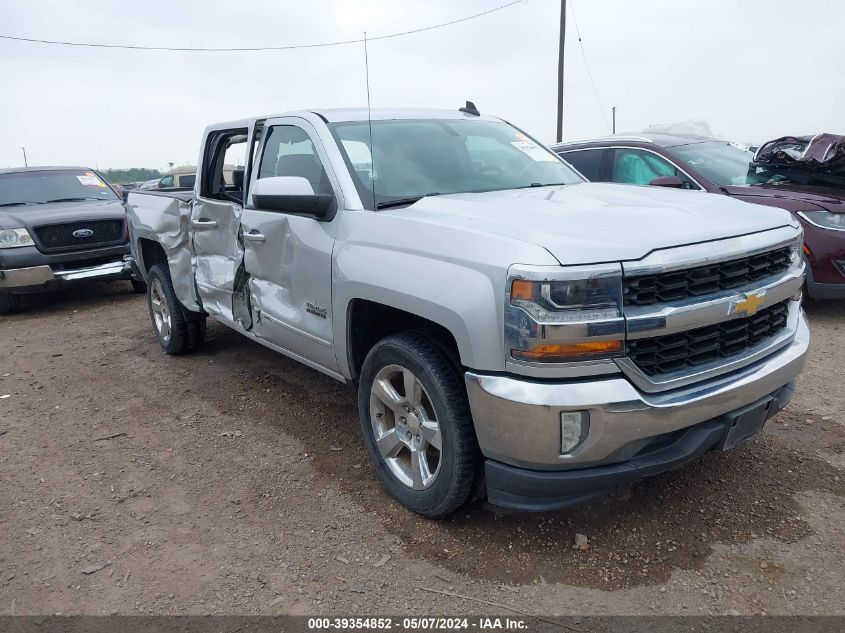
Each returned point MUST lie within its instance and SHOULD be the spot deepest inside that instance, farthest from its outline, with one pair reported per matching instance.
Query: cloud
(753, 70)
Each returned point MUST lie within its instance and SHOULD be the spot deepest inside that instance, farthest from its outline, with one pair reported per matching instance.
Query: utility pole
(614, 119)
(25, 164)
(560, 71)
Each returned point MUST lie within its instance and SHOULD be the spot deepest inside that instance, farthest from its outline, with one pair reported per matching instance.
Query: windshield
(726, 164)
(416, 158)
(25, 188)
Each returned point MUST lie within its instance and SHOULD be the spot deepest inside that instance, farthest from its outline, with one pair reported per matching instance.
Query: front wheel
(416, 424)
(177, 330)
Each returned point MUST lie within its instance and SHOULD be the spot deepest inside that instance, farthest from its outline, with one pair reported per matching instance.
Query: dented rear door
(215, 222)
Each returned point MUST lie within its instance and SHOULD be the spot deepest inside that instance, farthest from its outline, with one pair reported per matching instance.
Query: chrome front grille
(670, 353)
(641, 290)
(690, 319)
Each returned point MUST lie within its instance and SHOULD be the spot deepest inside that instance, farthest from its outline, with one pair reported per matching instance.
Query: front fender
(465, 301)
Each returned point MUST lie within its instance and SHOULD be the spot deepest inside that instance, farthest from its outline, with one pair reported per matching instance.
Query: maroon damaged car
(717, 166)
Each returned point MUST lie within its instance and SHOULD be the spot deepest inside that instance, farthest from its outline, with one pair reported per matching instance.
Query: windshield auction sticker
(90, 180)
(533, 151)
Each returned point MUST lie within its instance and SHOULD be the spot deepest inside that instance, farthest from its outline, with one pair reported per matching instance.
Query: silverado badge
(748, 305)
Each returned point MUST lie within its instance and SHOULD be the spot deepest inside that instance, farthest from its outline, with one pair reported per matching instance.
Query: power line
(587, 65)
(259, 48)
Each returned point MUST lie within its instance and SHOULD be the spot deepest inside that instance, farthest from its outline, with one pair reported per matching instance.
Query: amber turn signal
(568, 351)
(522, 290)
(564, 352)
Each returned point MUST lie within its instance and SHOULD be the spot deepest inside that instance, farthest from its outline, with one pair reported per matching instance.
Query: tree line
(133, 174)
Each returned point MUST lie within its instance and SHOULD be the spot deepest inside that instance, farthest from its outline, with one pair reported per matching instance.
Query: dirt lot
(235, 481)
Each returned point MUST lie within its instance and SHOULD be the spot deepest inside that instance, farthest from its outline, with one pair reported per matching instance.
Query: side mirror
(291, 194)
(667, 181)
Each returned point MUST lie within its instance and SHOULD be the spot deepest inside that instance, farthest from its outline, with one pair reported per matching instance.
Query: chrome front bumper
(41, 275)
(517, 421)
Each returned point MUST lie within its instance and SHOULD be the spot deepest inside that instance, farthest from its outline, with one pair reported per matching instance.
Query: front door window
(640, 167)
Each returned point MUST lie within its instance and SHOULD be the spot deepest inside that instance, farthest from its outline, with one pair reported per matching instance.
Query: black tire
(459, 457)
(186, 329)
(139, 286)
(9, 303)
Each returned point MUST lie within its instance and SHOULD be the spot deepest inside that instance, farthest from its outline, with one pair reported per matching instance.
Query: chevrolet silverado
(510, 328)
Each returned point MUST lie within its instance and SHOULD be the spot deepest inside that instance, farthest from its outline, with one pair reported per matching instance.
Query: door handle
(254, 236)
(205, 223)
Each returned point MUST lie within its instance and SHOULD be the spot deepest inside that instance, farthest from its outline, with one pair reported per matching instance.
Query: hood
(597, 222)
(818, 197)
(59, 212)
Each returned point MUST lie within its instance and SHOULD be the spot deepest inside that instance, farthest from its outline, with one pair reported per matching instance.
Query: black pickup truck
(59, 225)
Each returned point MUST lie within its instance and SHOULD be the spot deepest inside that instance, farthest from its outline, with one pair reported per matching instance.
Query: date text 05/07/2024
(420, 623)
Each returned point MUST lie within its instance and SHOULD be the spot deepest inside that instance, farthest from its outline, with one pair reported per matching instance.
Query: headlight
(796, 251)
(825, 219)
(566, 301)
(13, 238)
(564, 315)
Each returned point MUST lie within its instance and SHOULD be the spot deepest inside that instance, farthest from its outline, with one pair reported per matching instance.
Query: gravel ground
(234, 481)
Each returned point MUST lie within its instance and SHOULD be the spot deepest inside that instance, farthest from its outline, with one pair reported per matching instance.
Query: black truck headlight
(572, 314)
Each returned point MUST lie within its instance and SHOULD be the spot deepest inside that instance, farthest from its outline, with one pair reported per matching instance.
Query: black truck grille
(61, 236)
(672, 352)
(693, 282)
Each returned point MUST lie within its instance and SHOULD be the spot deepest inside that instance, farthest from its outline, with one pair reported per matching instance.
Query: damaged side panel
(218, 254)
(241, 303)
(166, 219)
(290, 283)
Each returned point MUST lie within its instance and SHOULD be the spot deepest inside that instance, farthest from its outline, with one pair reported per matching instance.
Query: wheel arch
(150, 253)
(368, 322)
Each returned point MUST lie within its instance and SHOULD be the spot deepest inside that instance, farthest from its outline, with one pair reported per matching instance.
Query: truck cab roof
(337, 115)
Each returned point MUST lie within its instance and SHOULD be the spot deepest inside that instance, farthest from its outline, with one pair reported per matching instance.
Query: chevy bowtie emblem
(749, 305)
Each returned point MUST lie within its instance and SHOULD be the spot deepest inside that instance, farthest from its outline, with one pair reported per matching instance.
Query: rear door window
(587, 161)
(223, 148)
(188, 180)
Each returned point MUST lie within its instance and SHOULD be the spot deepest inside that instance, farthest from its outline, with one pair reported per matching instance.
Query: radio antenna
(370, 124)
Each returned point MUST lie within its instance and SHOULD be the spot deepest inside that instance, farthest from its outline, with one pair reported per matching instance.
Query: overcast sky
(753, 70)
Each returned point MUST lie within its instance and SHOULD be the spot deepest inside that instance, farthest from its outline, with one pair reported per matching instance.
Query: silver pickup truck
(509, 327)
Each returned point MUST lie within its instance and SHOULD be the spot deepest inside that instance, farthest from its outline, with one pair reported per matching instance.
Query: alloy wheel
(405, 427)
(161, 313)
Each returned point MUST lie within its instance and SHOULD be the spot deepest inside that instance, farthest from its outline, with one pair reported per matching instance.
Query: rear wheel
(9, 303)
(416, 423)
(177, 329)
